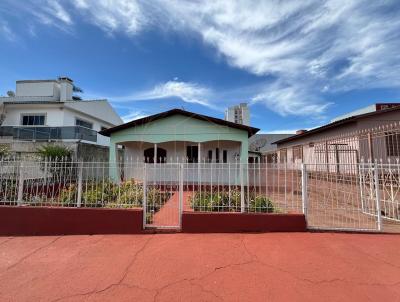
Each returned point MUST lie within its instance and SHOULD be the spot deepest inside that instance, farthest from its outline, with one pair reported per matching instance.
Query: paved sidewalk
(201, 267)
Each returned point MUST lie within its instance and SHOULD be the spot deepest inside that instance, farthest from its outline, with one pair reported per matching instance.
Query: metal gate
(380, 186)
(342, 201)
(162, 191)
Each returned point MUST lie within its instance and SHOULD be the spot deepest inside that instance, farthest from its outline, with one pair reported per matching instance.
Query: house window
(33, 119)
(225, 156)
(297, 153)
(82, 123)
(149, 155)
(283, 155)
(192, 154)
(217, 155)
(210, 155)
(392, 144)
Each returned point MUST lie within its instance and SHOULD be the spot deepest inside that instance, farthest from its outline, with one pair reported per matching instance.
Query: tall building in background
(238, 114)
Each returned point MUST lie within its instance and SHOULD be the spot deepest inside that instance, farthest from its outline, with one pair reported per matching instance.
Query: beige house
(371, 136)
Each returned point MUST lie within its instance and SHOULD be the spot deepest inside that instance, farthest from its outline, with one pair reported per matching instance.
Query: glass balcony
(33, 133)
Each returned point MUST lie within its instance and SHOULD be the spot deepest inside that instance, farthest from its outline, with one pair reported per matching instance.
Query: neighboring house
(366, 137)
(238, 114)
(46, 111)
(262, 147)
(181, 136)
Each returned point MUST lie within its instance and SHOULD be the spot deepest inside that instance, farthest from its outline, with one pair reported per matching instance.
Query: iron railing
(365, 198)
(43, 133)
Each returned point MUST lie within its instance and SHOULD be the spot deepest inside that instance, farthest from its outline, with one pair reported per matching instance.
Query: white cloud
(6, 32)
(304, 49)
(186, 91)
(57, 11)
(291, 100)
(113, 15)
(133, 115)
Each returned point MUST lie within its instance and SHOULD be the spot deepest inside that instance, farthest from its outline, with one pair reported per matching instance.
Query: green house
(180, 136)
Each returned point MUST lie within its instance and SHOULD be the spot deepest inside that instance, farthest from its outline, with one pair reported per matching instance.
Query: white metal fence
(364, 197)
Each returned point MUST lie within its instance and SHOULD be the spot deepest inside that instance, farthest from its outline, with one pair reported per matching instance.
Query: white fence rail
(363, 197)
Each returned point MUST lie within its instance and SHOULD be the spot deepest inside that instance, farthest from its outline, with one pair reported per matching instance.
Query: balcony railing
(30, 133)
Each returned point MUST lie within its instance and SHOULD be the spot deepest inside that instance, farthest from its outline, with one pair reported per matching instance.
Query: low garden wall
(228, 222)
(25, 220)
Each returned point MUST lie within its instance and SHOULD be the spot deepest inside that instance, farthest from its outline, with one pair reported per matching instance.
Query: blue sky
(297, 63)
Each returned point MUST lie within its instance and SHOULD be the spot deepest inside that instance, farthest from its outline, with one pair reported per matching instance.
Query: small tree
(54, 152)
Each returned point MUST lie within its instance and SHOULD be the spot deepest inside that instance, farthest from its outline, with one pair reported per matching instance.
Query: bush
(261, 204)
(127, 194)
(217, 201)
(225, 202)
(54, 152)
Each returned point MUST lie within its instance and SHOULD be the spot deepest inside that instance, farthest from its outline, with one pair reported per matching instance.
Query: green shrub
(226, 201)
(54, 152)
(261, 204)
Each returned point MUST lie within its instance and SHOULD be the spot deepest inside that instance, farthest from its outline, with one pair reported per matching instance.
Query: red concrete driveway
(201, 267)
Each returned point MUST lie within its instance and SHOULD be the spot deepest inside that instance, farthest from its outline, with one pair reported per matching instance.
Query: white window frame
(83, 120)
(22, 115)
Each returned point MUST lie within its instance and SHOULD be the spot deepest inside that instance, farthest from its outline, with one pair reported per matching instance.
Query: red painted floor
(168, 215)
(201, 267)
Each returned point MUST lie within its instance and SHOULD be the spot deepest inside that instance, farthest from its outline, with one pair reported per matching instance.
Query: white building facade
(45, 111)
(238, 114)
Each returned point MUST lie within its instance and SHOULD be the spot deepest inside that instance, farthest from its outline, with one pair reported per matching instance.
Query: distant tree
(77, 89)
(258, 144)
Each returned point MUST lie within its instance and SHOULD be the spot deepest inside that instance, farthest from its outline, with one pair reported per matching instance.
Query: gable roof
(151, 118)
(344, 121)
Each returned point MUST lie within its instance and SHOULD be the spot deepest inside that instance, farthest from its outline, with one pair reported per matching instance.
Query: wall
(70, 117)
(54, 114)
(37, 88)
(202, 222)
(180, 128)
(27, 221)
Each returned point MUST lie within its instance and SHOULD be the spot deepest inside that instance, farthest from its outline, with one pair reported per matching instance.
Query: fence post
(242, 205)
(80, 175)
(304, 188)
(377, 196)
(144, 194)
(180, 193)
(20, 195)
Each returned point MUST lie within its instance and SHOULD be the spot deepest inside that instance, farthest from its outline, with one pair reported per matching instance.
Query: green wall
(179, 128)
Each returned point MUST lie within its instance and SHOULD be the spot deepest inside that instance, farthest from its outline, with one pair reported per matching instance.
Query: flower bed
(230, 201)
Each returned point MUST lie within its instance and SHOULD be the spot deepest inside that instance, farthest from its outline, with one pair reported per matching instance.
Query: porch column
(113, 161)
(155, 154)
(244, 152)
(198, 152)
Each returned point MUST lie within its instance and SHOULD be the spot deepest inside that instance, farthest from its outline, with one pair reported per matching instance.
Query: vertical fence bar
(377, 196)
(20, 194)
(181, 173)
(80, 176)
(144, 195)
(304, 188)
(242, 205)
